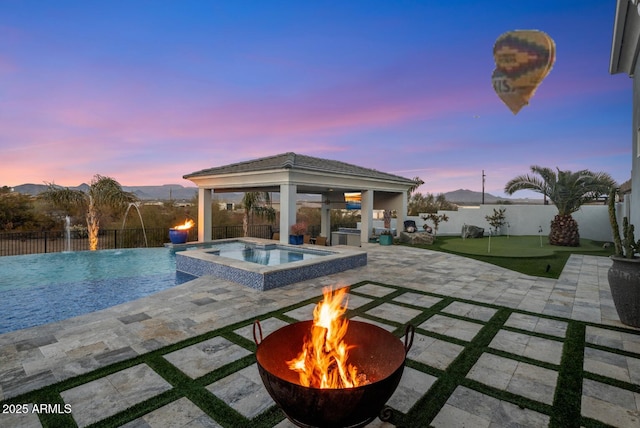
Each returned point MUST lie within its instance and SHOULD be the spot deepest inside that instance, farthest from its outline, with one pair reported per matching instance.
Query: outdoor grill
(376, 352)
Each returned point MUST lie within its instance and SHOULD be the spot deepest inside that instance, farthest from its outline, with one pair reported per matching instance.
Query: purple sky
(147, 91)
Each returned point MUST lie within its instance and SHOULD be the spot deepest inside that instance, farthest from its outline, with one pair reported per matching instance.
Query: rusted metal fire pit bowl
(376, 352)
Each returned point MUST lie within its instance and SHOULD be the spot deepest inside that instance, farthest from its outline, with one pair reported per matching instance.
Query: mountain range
(145, 193)
(181, 193)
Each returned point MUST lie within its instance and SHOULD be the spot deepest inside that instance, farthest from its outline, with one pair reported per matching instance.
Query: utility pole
(483, 176)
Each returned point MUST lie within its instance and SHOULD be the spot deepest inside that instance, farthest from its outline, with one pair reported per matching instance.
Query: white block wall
(593, 220)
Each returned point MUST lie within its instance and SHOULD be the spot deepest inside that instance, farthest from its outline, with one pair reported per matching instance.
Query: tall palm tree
(568, 191)
(258, 203)
(103, 193)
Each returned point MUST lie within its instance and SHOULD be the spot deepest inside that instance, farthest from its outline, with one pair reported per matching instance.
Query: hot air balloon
(523, 59)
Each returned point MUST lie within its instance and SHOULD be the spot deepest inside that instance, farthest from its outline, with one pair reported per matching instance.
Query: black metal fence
(18, 243)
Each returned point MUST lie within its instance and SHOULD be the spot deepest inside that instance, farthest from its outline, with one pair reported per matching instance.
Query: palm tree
(417, 182)
(568, 191)
(103, 193)
(258, 203)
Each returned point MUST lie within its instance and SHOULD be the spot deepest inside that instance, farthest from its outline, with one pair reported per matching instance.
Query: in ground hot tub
(263, 264)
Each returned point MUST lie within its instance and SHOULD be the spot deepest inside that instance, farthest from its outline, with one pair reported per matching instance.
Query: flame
(322, 363)
(188, 224)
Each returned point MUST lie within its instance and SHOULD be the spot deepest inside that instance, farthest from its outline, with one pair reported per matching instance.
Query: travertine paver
(606, 403)
(204, 357)
(517, 377)
(417, 299)
(354, 301)
(413, 385)
(613, 339)
(243, 391)
(626, 369)
(433, 352)
(534, 382)
(469, 408)
(114, 393)
(374, 290)
(393, 312)
(493, 370)
(302, 313)
(537, 324)
(181, 413)
(452, 327)
(23, 420)
(468, 310)
(538, 348)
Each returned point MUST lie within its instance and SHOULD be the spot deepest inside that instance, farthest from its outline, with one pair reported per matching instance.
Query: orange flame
(322, 363)
(188, 224)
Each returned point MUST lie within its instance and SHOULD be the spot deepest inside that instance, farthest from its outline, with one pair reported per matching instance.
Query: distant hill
(469, 197)
(145, 193)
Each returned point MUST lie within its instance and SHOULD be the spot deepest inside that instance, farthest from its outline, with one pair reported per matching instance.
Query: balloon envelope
(523, 59)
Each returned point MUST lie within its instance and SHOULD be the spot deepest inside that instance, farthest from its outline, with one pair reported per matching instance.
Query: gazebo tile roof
(292, 160)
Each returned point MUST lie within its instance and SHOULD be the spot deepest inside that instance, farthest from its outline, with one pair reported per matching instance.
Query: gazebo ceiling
(309, 174)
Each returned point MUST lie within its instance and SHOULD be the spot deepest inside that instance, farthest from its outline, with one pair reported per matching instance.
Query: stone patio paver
(469, 408)
(393, 312)
(481, 313)
(609, 404)
(181, 413)
(433, 352)
(534, 347)
(243, 391)
(453, 327)
(204, 357)
(113, 393)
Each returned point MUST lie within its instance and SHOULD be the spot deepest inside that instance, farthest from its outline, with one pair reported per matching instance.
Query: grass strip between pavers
(565, 411)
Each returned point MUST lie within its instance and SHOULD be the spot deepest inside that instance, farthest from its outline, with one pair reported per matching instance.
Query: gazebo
(290, 174)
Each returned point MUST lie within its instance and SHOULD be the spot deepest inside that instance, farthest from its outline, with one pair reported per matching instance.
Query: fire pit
(179, 234)
(378, 355)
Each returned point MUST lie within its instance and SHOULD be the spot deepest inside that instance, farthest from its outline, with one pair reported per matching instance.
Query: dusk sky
(148, 91)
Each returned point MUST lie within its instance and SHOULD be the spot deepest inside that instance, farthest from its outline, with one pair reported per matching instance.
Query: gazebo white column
(204, 214)
(288, 196)
(400, 205)
(325, 216)
(366, 215)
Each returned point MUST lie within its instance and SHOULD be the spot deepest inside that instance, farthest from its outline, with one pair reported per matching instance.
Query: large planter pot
(624, 280)
(177, 236)
(386, 239)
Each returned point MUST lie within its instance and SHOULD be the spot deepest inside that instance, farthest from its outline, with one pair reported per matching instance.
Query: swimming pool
(41, 288)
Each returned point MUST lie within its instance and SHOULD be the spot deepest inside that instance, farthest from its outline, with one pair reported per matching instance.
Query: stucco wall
(593, 220)
(635, 153)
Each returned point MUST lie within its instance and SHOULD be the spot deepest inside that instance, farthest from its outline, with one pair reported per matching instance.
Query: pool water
(41, 288)
(272, 255)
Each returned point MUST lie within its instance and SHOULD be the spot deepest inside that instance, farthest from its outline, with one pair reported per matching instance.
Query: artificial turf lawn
(518, 253)
(564, 412)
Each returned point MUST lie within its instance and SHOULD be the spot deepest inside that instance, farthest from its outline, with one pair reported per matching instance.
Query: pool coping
(201, 262)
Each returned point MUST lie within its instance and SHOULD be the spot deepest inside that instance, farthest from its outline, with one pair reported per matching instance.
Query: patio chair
(321, 240)
(276, 236)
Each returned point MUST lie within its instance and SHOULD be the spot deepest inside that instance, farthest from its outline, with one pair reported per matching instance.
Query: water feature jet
(126, 213)
(67, 234)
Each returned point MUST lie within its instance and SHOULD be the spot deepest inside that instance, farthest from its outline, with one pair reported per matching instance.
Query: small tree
(497, 220)
(436, 219)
